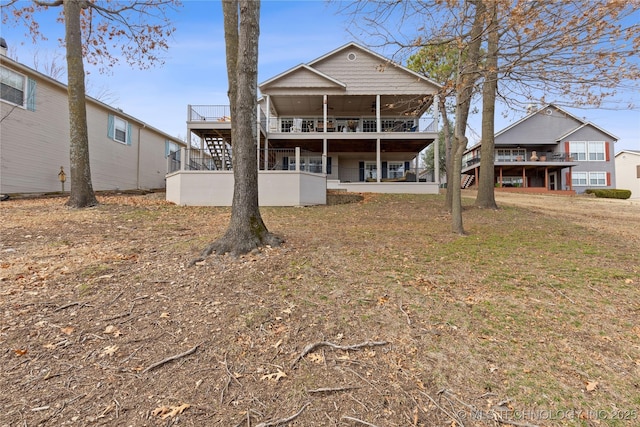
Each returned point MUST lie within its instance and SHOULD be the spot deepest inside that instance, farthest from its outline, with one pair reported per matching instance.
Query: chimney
(3, 46)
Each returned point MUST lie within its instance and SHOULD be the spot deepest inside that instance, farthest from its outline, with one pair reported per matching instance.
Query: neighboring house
(350, 119)
(125, 153)
(628, 171)
(548, 150)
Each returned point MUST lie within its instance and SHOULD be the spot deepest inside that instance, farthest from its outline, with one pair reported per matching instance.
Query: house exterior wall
(275, 188)
(628, 172)
(541, 128)
(589, 133)
(35, 144)
(367, 74)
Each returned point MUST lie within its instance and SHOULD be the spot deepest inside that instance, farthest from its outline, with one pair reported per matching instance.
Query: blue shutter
(361, 167)
(128, 133)
(31, 95)
(285, 163)
(110, 126)
(384, 170)
(407, 167)
(328, 165)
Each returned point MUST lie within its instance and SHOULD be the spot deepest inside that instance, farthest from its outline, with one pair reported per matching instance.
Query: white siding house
(628, 171)
(125, 153)
(348, 120)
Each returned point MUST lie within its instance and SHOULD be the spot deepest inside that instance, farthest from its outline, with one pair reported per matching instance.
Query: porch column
(257, 137)
(324, 130)
(183, 158)
(570, 180)
(500, 176)
(475, 173)
(378, 130)
(378, 162)
(378, 124)
(266, 138)
(436, 148)
(297, 159)
(546, 178)
(524, 178)
(324, 156)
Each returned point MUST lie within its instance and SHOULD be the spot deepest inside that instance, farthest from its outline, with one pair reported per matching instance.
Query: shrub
(607, 193)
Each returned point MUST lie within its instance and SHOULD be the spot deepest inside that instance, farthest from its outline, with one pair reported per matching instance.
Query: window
(119, 130)
(307, 164)
(510, 155)
(596, 150)
(588, 150)
(579, 179)
(578, 150)
(598, 179)
(370, 170)
(171, 147)
(17, 89)
(395, 170)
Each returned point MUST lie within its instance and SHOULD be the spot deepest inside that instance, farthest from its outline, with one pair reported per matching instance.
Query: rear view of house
(350, 119)
(549, 150)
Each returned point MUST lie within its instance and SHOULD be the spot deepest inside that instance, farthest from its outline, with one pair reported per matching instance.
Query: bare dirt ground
(370, 314)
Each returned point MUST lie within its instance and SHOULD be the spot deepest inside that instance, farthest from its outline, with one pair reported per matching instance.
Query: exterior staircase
(220, 152)
(466, 181)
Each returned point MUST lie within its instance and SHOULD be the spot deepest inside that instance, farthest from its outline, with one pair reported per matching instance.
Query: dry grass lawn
(371, 314)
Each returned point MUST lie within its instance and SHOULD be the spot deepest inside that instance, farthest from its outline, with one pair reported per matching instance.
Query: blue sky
(291, 33)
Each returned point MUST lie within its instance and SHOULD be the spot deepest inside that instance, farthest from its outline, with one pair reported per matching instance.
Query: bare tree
(246, 230)
(91, 31)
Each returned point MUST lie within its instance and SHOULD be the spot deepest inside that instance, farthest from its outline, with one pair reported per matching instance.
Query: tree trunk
(465, 82)
(448, 144)
(82, 194)
(486, 197)
(246, 230)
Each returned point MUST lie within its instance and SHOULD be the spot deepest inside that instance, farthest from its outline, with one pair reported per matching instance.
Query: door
(553, 177)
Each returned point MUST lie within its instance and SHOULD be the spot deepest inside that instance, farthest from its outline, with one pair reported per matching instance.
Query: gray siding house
(549, 150)
(350, 119)
(125, 153)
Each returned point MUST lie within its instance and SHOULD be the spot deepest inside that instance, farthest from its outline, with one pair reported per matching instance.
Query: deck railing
(222, 113)
(542, 156)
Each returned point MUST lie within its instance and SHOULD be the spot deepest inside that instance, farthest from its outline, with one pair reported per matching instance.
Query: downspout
(138, 161)
(324, 140)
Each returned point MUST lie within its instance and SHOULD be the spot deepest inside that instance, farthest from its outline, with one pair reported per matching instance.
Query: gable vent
(351, 56)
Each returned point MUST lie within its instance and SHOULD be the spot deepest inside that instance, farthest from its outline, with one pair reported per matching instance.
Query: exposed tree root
(240, 242)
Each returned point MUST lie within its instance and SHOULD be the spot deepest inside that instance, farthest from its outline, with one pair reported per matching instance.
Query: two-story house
(125, 153)
(548, 150)
(350, 119)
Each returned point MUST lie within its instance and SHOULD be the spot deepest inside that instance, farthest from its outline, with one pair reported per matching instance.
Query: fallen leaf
(20, 351)
(175, 410)
(316, 358)
(164, 315)
(592, 385)
(274, 376)
(67, 330)
(109, 329)
(160, 410)
(109, 350)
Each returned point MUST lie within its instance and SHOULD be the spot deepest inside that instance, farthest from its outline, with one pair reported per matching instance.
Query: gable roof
(5, 60)
(632, 152)
(377, 55)
(583, 123)
(351, 45)
(302, 68)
